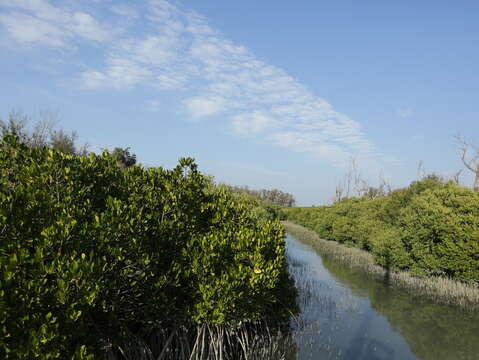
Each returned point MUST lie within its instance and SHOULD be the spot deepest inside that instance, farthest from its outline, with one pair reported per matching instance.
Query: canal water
(347, 315)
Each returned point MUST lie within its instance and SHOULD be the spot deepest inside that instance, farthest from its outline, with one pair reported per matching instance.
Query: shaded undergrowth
(213, 342)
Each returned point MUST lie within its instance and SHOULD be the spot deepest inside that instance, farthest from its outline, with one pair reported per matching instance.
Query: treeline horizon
(46, 132)
(273, 196)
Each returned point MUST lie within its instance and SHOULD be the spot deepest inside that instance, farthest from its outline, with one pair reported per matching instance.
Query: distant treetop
(274, 196)
(124, 157)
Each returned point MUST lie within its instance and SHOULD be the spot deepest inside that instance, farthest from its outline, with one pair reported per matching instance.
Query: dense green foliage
(91, 253)
(429, 228)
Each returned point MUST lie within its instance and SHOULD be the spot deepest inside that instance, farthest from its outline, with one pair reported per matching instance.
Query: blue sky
(269, 94)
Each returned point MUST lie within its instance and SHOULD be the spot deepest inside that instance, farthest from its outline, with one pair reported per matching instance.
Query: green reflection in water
(434, 332)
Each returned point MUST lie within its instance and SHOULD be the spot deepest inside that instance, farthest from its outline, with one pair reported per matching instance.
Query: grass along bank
(440, 289)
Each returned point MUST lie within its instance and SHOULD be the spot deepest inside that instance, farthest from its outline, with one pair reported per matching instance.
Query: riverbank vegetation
(102, 260)
(429, 228)
(441, 289)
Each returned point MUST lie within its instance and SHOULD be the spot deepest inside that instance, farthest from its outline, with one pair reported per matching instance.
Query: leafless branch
(455, 177)
(420, 174)
(464, 147)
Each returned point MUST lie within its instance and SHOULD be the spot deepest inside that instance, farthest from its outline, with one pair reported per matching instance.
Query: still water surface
(347, 315)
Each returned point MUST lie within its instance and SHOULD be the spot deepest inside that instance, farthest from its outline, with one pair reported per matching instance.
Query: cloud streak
(178, 51)
(39, 22)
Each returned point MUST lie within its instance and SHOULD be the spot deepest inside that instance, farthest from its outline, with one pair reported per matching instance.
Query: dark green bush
(388, 249)
(441, 232)
(91, 253)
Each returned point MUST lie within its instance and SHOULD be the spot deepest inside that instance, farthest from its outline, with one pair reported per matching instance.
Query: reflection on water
(346, 315)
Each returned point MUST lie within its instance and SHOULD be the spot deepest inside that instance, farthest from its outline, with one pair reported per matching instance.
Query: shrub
(91, 254)
(387, 248)
(441, 232)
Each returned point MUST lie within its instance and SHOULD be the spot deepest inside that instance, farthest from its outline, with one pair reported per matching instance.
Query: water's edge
(440, 290)
(348, 315)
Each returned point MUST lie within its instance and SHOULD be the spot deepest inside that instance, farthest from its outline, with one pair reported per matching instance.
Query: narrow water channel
(347, 315)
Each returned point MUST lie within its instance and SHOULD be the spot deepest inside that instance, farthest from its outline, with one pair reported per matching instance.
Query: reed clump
(246, 341)
(440, 289)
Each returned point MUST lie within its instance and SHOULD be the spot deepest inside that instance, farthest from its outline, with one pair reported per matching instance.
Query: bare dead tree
(384, 186)
(348, 178)
(16, 125)
(344, 188)
(470, 162)
(339, 193)
(354, 184)
(359, 183)
(455, 177)
(44, 128)
(44, 132)
(420, 172)
(361, 186)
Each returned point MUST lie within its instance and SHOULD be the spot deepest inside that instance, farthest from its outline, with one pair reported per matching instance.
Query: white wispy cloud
(178, 51)
(121, 73)
(252, 123)
(314, 143)
(125, 11)
(39, 22)
(28, 29)
(205, 106)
